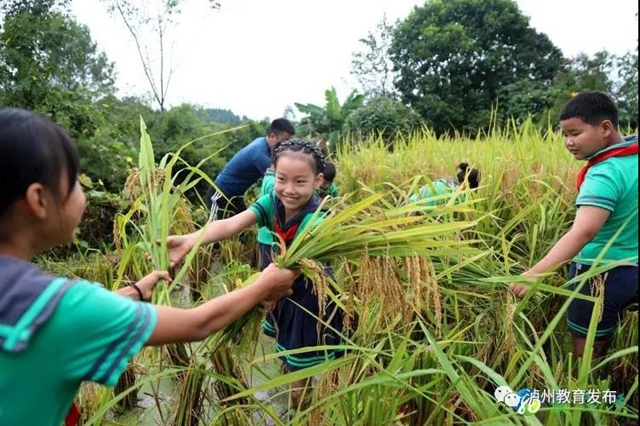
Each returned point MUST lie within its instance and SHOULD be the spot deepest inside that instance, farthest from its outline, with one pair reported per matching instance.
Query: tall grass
(432, 328)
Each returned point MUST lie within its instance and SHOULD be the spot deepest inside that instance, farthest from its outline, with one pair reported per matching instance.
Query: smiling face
(583, 140)
(296, 181)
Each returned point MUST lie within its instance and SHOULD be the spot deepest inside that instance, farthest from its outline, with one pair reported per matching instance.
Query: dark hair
(592, 108)
(472, 176)
(33, 149)
(281, 125)
(329, 171)
(303, 147)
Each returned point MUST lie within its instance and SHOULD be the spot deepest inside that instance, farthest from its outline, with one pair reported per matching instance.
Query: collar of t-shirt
(629, 140)
(28, 298)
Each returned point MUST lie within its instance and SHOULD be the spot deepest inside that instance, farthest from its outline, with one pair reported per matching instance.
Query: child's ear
(318, 181)
(607, 128)
(36, 200)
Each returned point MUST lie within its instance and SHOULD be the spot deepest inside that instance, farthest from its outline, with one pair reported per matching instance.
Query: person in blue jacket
(226, 197)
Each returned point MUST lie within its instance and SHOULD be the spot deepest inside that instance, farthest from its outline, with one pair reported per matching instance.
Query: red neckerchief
(73, 416)
(287, 236)
(288, 231)
(617, 152)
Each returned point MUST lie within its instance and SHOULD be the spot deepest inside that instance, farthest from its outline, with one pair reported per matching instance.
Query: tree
(327, 122)
(50, 64)
(145, 25)
(627, 88)
(372, 66)
(382, 116)
(223, 116)
(453, 58)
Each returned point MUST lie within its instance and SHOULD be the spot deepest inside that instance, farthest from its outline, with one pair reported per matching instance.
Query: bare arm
(187, 325)
(180, 245)
(588, 222)
(222, 229)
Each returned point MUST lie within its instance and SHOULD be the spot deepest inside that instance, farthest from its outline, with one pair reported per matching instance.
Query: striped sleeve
(105, 331)
(599, 188)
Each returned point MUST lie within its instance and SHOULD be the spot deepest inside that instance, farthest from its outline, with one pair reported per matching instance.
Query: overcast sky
(256, 57)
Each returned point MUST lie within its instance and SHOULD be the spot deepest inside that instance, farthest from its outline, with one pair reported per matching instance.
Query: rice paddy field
(432, 329)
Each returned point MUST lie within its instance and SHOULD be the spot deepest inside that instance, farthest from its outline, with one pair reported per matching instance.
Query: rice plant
(431, 328)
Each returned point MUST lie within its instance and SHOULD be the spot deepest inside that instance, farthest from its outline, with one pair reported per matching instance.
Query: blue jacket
(245, 168)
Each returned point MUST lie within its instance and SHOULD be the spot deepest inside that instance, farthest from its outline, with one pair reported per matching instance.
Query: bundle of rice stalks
(224, 365)
(375, 233)
(192, 393)
(179, 356)
(388, 231)
(157, 198)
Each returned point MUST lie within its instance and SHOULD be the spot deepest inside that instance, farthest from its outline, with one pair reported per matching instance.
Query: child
(327, 187)
(54, 332)
(226, 197)
(465, 177)
(265, 238)
(298, 169)
(607, 200)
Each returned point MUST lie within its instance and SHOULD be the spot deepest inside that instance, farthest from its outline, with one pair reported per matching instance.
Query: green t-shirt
(91, 336)
(438, 187)
(612, 185)
(332, 191)
(265, 210)
(268, 183)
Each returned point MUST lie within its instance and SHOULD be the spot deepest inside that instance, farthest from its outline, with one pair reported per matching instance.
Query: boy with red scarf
(607, 212)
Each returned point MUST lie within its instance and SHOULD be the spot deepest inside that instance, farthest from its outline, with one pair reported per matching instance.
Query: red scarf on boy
(617, 152)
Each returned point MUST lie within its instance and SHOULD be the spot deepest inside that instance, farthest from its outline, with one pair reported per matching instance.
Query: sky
(258, 57)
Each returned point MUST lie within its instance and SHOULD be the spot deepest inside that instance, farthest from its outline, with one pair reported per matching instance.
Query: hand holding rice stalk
(159, 202)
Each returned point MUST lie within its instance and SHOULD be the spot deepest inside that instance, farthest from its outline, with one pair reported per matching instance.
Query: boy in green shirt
(607, 203)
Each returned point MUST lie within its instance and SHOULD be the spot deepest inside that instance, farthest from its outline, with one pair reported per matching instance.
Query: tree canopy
(454, 57)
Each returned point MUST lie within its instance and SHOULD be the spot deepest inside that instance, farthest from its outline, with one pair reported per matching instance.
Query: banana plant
(328, 122)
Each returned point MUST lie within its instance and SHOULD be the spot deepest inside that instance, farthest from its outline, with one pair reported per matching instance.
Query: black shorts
(222, 206)
(620, 293)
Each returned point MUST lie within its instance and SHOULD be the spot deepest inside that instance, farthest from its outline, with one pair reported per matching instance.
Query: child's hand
(519, 290)
(147, 283)
(178, 246)
(281, 281)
